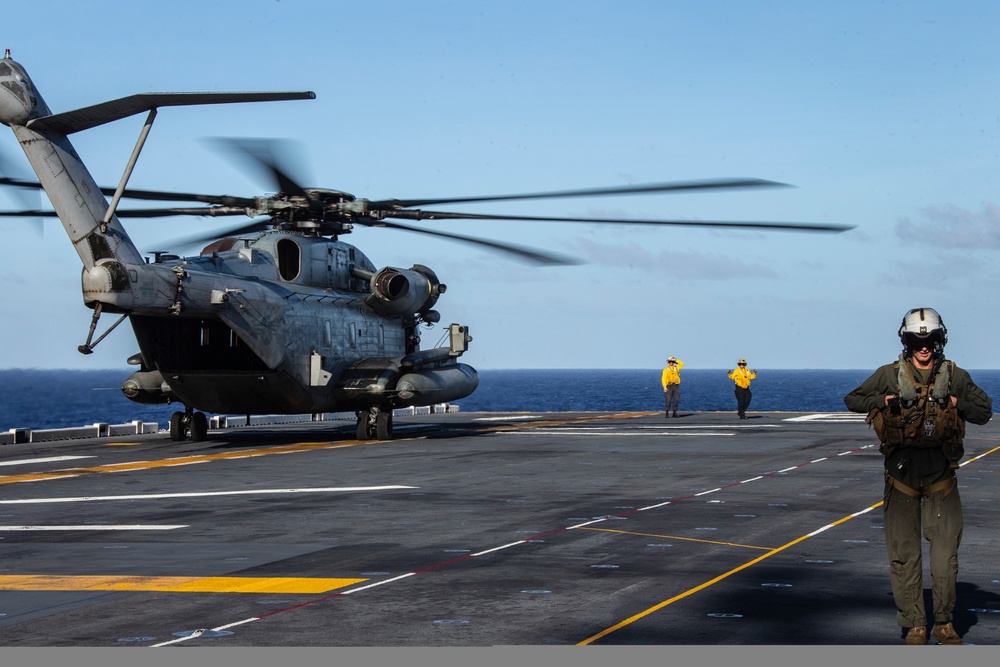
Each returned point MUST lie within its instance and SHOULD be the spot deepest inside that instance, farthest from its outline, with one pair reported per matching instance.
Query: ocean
(41, 399)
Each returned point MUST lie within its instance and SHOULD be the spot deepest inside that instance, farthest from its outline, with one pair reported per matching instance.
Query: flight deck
(474, 530)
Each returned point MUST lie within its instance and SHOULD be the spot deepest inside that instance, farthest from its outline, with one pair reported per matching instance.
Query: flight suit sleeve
(872, 392)
(974, 405)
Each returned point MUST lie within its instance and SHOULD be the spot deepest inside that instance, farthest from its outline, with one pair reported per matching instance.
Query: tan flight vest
(925, 417)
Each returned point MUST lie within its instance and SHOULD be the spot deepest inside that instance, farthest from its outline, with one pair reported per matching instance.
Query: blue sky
(882, 115)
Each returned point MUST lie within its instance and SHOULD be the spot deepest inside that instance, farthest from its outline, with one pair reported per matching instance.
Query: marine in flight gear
(919, 406)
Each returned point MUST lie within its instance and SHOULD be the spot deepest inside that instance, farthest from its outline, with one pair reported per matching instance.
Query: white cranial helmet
(925, 325)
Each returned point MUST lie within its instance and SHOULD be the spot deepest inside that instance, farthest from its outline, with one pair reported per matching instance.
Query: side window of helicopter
(289, 259)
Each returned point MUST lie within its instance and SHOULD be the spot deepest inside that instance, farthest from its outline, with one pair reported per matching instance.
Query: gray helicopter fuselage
(280, 322)
(279, 331)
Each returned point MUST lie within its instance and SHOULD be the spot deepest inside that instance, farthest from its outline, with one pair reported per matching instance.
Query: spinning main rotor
(329, 212)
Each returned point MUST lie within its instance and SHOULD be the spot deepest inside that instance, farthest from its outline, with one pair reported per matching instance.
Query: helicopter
(277, 315)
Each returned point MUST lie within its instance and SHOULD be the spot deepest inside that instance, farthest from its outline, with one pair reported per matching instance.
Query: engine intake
(398, 292)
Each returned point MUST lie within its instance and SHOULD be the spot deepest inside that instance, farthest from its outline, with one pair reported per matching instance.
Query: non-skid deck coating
(475, 530)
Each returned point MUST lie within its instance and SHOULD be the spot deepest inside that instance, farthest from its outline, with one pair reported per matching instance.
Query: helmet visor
(932, 341)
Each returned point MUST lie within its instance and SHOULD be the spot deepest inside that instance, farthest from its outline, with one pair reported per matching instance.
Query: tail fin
(86, 215)
(75, 196)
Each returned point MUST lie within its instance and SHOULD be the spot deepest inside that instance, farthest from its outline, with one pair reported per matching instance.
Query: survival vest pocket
(952, 435)
(888, 427)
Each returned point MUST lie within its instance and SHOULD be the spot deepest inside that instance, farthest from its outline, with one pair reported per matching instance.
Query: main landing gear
(183, 423)
(374, 424)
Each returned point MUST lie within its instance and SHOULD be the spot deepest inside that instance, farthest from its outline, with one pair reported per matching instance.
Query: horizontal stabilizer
(106, 112)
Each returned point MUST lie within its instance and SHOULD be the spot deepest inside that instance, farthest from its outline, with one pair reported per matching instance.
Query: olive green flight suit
(937, 509)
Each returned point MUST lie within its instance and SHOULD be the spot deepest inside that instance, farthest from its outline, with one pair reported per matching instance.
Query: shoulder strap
(905, 381)
(941, 388)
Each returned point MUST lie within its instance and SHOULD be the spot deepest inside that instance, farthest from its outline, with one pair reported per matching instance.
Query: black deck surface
(475, 530)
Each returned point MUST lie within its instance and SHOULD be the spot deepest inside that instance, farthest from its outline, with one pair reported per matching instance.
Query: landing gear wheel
(374, 424)
(383, 426)
(362, 432)
(199, 426)
(177, 427)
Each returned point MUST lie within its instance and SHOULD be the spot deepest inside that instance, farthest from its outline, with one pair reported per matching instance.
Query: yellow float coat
(671, 374)
(742, 377)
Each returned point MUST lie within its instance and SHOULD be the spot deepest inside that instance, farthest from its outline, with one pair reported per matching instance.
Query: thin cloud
(949, 275)
(952, 226)
(674, 263)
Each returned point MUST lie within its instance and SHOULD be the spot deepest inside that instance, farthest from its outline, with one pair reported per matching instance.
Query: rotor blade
(796, 226)
(680, 186)
(151, 195)
(28, 214)
(18, 183)
(211, 211)
(26, 198)
(262, 153)
(156, 195)
(216, 234)
(25, 191)
(532, 256)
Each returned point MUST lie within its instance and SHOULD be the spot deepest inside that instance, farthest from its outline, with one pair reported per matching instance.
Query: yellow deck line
(283, 585)
(262, 451)
(568, 420)
(676, 537)
(179, 461)
(740, 568)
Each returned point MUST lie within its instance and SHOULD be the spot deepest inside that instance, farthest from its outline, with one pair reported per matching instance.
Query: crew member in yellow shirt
(671, 381)
(742, 377)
